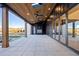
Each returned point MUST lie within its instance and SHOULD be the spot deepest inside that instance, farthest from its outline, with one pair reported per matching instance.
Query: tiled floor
(36, 45)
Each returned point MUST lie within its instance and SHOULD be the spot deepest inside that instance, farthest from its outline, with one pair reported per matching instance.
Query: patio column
(35, 29)
(52, 29)
(5, 35)
(25, 29)
(54, 33)
(59, 24)
(55, 29)
(32, 29)
(73, 33)
(66, 33)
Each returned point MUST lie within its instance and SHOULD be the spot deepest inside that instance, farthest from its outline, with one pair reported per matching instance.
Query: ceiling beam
(51, 11)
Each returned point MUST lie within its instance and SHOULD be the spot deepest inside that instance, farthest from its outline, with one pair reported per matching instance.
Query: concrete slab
(36, 45)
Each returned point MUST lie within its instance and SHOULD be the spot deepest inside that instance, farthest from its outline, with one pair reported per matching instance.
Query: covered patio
(49, 29)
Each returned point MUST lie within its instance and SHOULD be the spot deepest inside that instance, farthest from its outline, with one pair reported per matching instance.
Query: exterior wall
(39, 28)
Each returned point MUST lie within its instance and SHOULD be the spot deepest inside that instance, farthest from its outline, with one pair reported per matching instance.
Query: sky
(17, 22)
(14, 21)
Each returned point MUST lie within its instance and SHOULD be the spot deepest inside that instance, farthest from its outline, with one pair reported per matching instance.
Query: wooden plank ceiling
(30, 14)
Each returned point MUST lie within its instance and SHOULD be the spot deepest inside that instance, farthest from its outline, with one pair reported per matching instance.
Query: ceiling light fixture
(48, 19)
(48, 8)
(51, 16)
(59, 9)
(28, 14)
(45, 16)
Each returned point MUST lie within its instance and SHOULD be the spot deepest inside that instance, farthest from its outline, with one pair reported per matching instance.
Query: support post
(5, 35)
(59, 29)
(73, 31)
(32, 29)
(52, 29)
(25, 29)
(55, 28)
(35, 29)
(66, 33)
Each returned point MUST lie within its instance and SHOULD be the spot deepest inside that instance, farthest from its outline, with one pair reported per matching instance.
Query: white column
(25, 29)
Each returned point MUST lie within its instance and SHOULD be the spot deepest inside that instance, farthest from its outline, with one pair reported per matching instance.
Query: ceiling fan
(38, 15)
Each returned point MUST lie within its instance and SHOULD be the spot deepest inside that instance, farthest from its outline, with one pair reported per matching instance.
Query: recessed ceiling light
(51, 16)
(45, 16)
(28, 14)
(59, 9)
(48, 8)
(48, 19)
